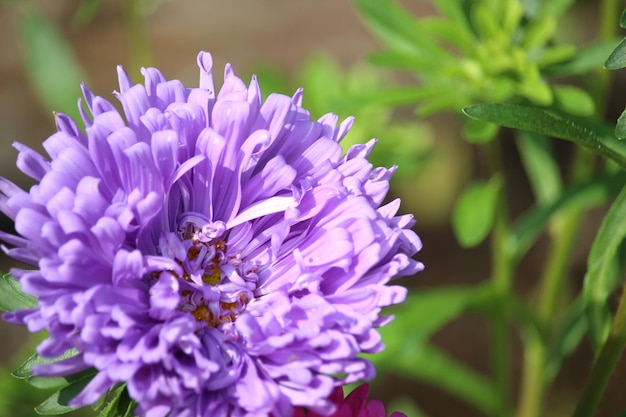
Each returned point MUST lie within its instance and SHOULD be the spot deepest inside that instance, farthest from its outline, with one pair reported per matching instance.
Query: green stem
(609, 19)
(616, 342)
(563, 231)
(501, 281)
(139, 52)
(605, 364)
(502, 273)
(534, 383)
(533, 380)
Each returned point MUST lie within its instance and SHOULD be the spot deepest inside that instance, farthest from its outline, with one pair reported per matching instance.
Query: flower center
(215, 283)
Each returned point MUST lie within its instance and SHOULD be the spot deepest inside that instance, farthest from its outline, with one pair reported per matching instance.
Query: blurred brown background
(283, 33)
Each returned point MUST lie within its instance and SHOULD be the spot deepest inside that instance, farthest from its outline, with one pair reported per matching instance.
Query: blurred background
(322, 45)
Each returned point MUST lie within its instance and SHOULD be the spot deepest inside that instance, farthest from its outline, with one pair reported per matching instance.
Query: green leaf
(566, 340)
(12, 297)
(540, 165)
(127, 406)
(477, 131)
(474, 211)
(59, 382)
(25, 370)
(590, 58)
(433, 366)
(573, 100)
(116, 398)
(58, 402)
(398, 28)
(123, 407)
(435, 307)
(449, 32)
(408, 354)
(599, 282)
(620, 128)
(555, 8)
(455, 12)
(551, 123)
(622, 20)
(51, 67)
(401, 60)
(538, 32)
(85, 13)
(556, 55)
(617, 59)
(593, 193)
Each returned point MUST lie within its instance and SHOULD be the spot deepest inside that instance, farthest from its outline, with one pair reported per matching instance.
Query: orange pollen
(193, 253)
(228, 306)
(213, 276)
(202, 313)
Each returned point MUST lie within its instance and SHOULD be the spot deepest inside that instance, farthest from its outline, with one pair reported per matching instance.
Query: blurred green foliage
(502, 63)
(405, 143)
(480, 51)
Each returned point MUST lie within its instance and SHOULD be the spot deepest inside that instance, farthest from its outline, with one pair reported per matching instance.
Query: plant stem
(501, 281)
(609, 17)
(605, 364)
(616, 341)
(502, 273)
(533, 380)
(563, 231)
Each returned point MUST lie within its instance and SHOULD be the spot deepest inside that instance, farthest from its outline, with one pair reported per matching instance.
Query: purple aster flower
(216, 253)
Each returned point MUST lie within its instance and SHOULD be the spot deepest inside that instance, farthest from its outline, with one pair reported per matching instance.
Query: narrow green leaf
(111, 407)
(590, 58)
(477, 131)
(12, 297)
(540, 166)
(58, 403)
(573, 100)
(448, 31)
(59, 382)
(529, 226)
(555, 8)
(49, 57)
(401, 60)
(567, 339)
(435, 307)
(598, 283)
(620, 128)
(125, 406)
(552, 123)
(538, 32)
(473, 213)
(556, 55)
(617, 59)
(85, 13)
(486, 23)
(25, 370)
(396, 97)
(622, 20)
(456, 12)
(433, 366)
(398, 28)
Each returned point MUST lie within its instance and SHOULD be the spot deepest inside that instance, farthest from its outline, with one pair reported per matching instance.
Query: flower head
(215, 252)
(354, 405)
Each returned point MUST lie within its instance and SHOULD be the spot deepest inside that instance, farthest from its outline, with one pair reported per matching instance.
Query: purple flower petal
(215, 252)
